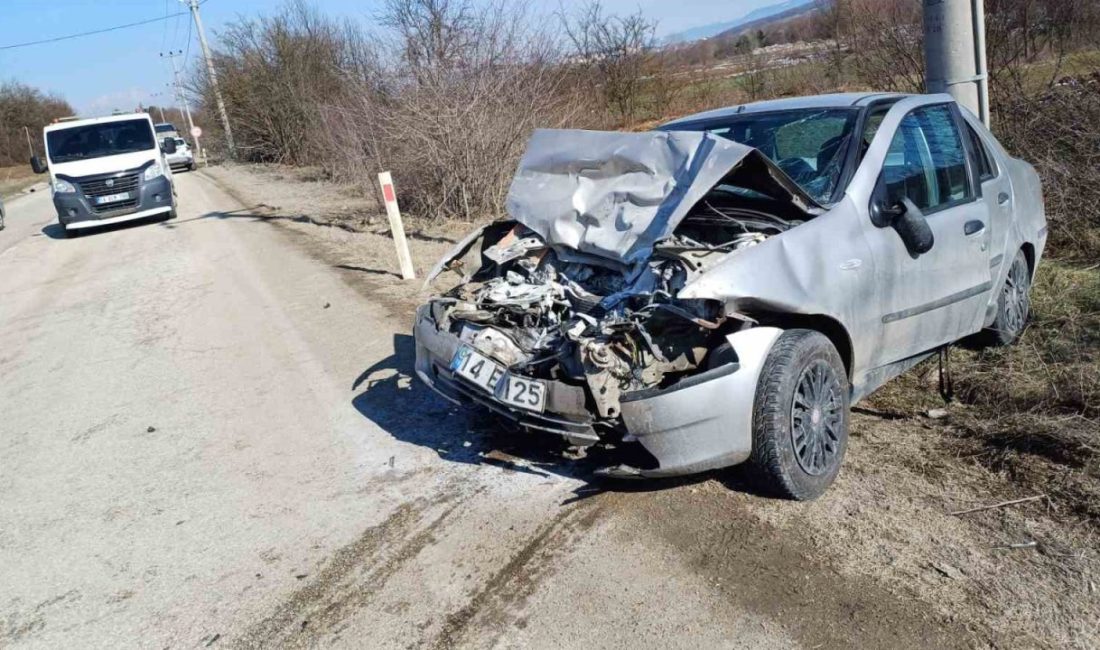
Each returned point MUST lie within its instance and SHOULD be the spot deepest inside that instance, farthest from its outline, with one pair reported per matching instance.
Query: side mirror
(168, 145)
(37, 165)
(908, 221)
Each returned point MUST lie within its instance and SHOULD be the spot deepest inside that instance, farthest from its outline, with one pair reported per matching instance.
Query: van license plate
(111, 198)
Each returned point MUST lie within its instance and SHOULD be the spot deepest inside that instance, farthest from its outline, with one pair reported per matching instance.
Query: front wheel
(800, 416)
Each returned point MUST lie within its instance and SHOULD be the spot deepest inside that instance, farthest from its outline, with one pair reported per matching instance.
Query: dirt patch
(14, 180)
(878, 558)
(351, 576)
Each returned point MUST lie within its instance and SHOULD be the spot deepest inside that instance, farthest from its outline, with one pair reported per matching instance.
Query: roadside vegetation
(23, 109)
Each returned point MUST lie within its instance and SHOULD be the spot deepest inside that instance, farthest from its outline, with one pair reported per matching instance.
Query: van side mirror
(37, 165)
(907, 220)
(168, 145)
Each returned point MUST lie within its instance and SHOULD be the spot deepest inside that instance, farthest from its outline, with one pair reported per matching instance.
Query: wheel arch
(831, 328)
(1029, 254)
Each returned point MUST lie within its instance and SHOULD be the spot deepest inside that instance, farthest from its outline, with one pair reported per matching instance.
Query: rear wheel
(1013, 305)
(800, 416)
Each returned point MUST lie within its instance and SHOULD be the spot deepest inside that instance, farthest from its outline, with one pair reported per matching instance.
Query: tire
(800, 435)
(1013, 306)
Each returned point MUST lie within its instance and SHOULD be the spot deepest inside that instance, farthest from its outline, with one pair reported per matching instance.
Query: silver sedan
(723, 289)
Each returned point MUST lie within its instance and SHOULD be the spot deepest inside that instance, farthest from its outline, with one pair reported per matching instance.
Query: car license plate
(111, 198)
(476, 367)
(522, 392)
(490, 376)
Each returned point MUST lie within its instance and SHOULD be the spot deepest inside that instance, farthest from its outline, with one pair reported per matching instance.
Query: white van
(106, 170)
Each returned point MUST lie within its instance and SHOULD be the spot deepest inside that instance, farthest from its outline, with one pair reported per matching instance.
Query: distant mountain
(713, 29)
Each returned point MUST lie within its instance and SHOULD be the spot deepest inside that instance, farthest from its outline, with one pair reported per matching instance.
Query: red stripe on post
(387, 193)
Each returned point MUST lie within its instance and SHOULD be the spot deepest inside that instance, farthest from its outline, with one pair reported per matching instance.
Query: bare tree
(23, 106)
(619, 50)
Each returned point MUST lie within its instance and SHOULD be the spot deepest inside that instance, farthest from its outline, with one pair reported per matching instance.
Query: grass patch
(15, 179)
(1030, 411)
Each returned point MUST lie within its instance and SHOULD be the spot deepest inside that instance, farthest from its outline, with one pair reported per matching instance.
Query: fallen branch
(997, 505)
(1008, 547)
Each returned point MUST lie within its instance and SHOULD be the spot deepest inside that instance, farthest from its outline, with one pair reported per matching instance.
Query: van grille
(118, 184)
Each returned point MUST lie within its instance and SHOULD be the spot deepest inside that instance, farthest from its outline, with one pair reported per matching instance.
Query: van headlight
(152, 171)
(61, 186)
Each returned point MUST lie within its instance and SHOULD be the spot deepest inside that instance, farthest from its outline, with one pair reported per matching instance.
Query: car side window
(926, 162)
(983, 161)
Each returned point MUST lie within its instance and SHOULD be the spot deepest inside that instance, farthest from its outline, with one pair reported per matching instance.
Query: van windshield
(99, 140)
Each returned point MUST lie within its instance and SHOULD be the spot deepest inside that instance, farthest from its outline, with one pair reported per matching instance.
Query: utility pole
(194, 5)
(182, 99)
(30, 147)
(954, 52)
(159, 107)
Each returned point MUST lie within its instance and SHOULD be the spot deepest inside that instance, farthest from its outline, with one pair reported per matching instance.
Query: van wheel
(1013, 306)
(800, 416)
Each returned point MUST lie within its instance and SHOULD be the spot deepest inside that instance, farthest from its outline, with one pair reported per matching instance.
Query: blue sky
(119, 69)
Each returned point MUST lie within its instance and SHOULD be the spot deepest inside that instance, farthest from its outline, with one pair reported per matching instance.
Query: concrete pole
(397, 229)
(194, 5)
(183, 102)
(954, 52)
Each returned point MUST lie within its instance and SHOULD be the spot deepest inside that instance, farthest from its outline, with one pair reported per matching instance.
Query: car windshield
(808, 144)
(98, 140)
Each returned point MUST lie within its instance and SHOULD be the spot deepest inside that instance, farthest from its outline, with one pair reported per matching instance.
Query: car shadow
(54, 230)
(390, 395)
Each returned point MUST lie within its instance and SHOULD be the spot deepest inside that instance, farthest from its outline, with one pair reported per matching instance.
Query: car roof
(834, 100)
(59, 126)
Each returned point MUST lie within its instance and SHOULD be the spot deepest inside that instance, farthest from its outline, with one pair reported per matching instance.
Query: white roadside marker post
(404, 257)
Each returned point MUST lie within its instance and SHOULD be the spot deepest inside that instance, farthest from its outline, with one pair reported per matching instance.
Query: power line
(164, 32)
(97, 31)
(188, 52)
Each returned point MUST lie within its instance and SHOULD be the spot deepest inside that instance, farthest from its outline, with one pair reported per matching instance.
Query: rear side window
(983, 161)
(926, 162)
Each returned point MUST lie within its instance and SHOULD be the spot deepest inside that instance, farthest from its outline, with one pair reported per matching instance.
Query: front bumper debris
(702, 422)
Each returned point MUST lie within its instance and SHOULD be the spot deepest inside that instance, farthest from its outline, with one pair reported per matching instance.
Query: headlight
(62, 186)
(152, 171)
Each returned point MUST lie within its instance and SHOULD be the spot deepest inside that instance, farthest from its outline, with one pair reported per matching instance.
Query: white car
(722, 289)
(183, 158)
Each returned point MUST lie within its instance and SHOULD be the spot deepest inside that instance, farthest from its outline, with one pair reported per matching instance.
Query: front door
(930, 299)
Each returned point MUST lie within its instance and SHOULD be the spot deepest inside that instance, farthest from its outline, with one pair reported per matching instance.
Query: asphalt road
(208, 439)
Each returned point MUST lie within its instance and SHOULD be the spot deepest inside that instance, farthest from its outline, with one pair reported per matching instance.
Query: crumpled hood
(614, 195)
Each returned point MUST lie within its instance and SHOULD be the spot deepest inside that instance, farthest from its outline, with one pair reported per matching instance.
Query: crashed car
(722, 289)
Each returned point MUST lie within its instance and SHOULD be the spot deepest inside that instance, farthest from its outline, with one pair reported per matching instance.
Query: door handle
(1003, 198)
(973, 227)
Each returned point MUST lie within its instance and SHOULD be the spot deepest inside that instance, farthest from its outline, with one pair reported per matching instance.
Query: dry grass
(15, 179)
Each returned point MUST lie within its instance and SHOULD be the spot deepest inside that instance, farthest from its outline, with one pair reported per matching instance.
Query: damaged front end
(567, 318)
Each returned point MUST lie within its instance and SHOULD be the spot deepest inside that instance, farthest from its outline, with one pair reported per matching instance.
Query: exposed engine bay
(573, 316)
(551, 313)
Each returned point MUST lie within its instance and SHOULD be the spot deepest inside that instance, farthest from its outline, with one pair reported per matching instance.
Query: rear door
(930, 299)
